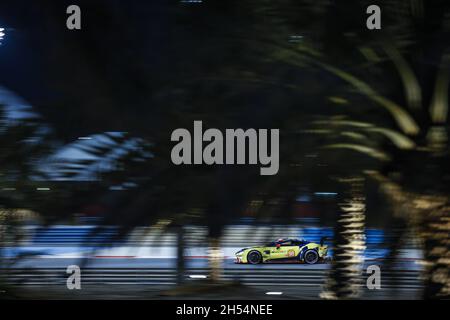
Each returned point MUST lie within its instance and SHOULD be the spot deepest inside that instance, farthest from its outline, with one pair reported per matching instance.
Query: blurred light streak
(325, 193)
(274, 293)
(197, 276)
(304, 198)
(2, 34)
(43, 189)
(295, 38)
(116, 188)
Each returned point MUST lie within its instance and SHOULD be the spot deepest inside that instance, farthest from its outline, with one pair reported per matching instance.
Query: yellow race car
(294, 250)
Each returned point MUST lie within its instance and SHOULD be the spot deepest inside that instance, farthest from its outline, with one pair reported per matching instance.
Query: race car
(294, 250)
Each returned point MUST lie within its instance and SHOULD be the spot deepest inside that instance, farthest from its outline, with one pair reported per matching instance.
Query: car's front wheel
(254, 257)
(311, 257)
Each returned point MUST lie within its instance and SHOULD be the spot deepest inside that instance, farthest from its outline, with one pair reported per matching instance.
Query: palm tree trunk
(430, 215)
(349, 244)
(436, 235)
(215, 260)
(8, 237)
(180, 255)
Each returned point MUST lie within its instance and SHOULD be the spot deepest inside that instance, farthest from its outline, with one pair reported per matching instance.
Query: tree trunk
(349, 244)
(9, 236)
(180, 255)
(215, 257)
(436, 237)
(430, 214)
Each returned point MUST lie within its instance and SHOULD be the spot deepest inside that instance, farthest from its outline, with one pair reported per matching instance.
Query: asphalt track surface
(128, 275)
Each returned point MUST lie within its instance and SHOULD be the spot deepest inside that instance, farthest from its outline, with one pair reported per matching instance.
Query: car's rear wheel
(254, 257)
(311, 257)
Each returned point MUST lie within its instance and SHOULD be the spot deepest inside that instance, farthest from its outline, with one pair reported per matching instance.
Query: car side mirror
(278, 246)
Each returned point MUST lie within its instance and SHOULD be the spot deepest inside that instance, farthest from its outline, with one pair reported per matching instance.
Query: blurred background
(85, 171)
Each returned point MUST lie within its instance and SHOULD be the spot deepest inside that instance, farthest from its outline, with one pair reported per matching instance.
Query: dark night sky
(123, 46)
(114, 74)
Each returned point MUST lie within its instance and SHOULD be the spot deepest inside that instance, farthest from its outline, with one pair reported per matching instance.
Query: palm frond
(411, 85)
(398, 139)
(439, 105)
(372, 152)
(403, 119)
(400, 115)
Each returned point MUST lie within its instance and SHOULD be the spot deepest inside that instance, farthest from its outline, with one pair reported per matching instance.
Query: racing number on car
(291, 253)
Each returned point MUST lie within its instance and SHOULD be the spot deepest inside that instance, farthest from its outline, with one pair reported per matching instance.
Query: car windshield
(281, 242)
(294, 242)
